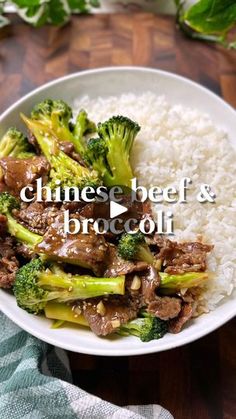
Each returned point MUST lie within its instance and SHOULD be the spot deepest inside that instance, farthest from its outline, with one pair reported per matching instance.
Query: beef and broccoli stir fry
(131, 284)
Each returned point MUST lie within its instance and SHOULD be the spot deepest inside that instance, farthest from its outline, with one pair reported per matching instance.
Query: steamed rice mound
(176, 142)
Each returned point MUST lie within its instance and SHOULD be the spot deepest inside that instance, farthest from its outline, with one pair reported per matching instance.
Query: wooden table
(199, 379)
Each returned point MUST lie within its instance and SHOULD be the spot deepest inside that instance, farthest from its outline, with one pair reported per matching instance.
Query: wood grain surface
(197, 381)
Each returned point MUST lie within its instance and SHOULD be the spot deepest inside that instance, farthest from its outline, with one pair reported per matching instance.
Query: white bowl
(106, 82)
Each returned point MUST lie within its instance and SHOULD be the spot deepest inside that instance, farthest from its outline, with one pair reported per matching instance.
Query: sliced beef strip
(163, 246)
(3, 225)
(176, 325)
(178, 258)
(73, 206)
(95, 210)
(190, 295)
(165, 308)
(37, 216)
(117, 266)
(24, 251)
(188, 257)
(135, 210)
(8, 262)
(68, 148)
(150, 282)
(32, 140)
(117, 312)
(86, 250)
(149, 277)
(18, 173)
(76, 156)
(3, 187)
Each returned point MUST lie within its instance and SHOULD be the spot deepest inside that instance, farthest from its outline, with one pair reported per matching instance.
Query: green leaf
(39, 12)
(95, 3)
(32, 11)
(211, 16)
(55, 12)
(34, 15)
(42, 20)
(78, 6)
(58, 12)
(26, 3)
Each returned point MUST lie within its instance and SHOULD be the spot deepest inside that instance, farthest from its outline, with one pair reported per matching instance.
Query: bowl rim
(114, 69)
(143, 350)
(125, 351)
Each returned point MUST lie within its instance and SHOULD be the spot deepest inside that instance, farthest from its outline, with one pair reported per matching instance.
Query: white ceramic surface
(104, 82)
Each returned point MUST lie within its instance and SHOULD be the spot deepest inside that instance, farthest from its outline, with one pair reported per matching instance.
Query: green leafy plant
(41, 12)
(207, 20)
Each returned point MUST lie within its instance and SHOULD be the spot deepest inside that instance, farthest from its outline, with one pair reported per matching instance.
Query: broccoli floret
(36, 284)
(7, 204)
(110, 153)
(64, 170)
(15, 144)
(57, 116)
(146, 328)
(43, 111)
(134, 247)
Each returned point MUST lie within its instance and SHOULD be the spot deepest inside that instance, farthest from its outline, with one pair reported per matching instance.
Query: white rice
(177, 142)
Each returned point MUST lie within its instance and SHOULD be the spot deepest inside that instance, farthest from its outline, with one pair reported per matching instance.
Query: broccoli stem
(118, 160)
(64, 312)
(61, 131)
(47, 142)
(57, 324)
(81, 287)
(80, 128)
(21, 233)
(145, 254)
(187, 280)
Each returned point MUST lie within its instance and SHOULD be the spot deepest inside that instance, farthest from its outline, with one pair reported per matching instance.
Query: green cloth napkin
(35, 383)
